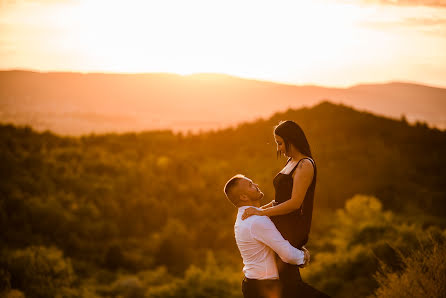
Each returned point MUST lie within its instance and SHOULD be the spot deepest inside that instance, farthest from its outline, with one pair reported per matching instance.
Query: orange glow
(325, 42)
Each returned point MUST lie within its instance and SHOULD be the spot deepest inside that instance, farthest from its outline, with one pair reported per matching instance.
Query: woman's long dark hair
(292, 133)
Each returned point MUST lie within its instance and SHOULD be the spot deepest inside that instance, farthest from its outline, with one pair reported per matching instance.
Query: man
(257, 239)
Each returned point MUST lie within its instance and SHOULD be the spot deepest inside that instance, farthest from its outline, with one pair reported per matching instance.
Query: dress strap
(292, 171)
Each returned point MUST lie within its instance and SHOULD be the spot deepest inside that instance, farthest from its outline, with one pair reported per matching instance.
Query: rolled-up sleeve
(264, 230)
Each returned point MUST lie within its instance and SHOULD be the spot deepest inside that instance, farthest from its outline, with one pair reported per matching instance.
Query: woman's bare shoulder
(306, 162)
(305, 168)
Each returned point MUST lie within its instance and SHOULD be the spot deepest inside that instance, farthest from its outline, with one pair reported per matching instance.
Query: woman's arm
(270, 204)
(301, 181)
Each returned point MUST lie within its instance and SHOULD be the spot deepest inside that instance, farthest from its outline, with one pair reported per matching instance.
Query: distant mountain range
(76, 103)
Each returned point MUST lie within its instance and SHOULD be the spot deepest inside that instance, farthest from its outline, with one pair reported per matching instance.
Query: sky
(319, 42)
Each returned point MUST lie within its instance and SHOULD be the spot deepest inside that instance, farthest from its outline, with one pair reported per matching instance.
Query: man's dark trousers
(261, 288)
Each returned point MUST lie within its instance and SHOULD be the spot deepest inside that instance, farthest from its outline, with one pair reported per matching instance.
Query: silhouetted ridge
(76, 103)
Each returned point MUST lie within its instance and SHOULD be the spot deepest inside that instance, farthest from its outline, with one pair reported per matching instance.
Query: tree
(41, 271)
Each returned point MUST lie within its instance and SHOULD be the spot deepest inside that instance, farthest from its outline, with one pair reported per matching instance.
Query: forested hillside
(144, 214)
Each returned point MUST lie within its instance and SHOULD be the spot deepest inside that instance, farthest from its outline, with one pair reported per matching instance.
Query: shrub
(212, 281)
(424, 274)
(40, 271)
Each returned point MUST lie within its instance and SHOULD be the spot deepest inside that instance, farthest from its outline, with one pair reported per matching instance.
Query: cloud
(433, 3)
(406, 3)
(43, 1)
(19, 3)
(7, 48)
(406, 22)
(429, 26)
(424, 21)
(17, 6)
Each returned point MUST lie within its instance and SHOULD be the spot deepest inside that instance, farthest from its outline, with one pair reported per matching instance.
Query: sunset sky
(322, 42)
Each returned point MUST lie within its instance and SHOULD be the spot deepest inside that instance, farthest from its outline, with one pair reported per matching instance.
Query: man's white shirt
(257, 239)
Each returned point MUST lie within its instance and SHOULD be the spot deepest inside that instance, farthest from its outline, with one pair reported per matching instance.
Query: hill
(120, 205)
(75, 103)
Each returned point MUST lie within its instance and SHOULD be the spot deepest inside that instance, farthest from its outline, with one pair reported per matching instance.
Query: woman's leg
(290, 279)
(292, 283)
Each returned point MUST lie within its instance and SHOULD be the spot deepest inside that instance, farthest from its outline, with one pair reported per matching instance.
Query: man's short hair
(233, 196)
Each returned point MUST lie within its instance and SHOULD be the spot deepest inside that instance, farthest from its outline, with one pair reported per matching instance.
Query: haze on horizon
(321, 42)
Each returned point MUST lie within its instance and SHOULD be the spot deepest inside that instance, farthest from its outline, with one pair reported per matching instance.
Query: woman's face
(280, 144)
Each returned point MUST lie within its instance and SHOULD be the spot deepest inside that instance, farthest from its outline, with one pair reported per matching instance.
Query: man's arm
(264, 230)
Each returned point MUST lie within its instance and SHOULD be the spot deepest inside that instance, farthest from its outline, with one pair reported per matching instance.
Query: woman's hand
(251, 211)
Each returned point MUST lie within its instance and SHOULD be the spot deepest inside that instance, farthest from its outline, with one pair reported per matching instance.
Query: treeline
(144, 214)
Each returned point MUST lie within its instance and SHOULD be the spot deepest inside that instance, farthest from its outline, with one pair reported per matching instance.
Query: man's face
(250, 189)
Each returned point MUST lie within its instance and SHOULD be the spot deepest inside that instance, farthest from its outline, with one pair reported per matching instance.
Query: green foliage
(424, 274)
(212, 281)
(129, 287)
(114, 257)
(361, 220)
(12, 294)
(175, 249)
(358, 239)
(5, 280)
(121, 206)
(40, 272)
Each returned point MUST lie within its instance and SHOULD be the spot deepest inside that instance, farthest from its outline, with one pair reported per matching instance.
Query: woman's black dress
(294, 227)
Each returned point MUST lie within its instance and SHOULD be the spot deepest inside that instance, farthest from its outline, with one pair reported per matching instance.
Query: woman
(292, 209)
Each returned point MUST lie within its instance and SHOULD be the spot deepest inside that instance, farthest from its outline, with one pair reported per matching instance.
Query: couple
(261, 232)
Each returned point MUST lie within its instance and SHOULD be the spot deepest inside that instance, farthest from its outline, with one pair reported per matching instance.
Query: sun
(172, 37)
(329, 42)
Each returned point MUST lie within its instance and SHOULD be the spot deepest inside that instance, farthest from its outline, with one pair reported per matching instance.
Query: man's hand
(306, 257)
